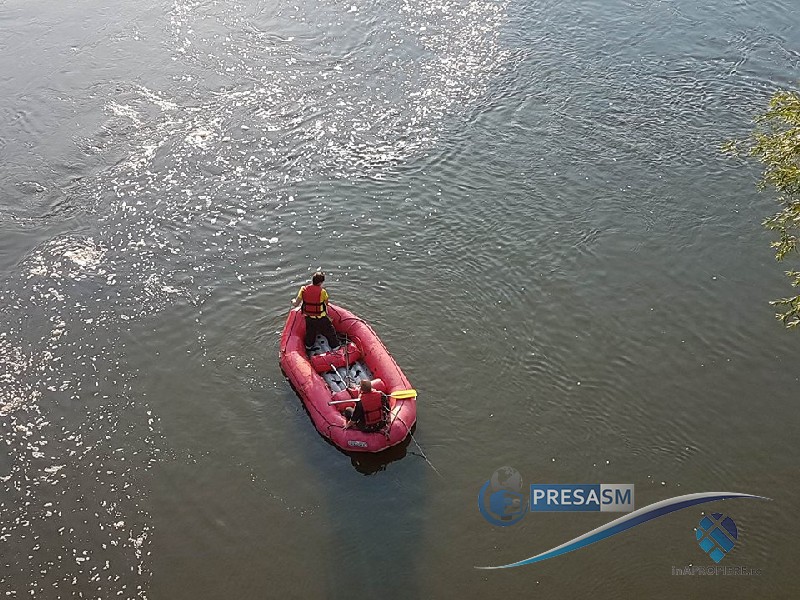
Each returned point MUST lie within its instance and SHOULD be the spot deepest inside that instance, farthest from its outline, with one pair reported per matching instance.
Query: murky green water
(526, 200)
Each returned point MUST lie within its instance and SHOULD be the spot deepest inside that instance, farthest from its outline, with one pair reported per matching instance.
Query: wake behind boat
(322, 376)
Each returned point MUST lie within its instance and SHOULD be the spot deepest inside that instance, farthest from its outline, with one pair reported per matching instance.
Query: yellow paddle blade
(402, 394)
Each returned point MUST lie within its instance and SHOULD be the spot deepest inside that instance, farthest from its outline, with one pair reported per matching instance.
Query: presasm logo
(602, 497)
(502, 499)
(502, 502)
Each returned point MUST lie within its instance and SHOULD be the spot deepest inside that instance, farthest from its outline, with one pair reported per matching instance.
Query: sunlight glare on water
(527, 202)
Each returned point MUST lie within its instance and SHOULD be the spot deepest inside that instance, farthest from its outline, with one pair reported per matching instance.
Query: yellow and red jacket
(314, 299)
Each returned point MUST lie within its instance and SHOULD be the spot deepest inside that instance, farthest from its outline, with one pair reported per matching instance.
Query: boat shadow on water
(368, 463)
(359, 502)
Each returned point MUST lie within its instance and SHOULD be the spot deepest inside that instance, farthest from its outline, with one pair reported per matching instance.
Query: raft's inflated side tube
(316, 395)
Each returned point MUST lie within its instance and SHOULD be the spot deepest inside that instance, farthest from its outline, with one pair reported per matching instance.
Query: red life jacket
(313, 306)
(372, 405)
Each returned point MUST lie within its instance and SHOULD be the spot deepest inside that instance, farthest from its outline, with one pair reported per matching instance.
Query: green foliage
(776, 144)
(791, 315)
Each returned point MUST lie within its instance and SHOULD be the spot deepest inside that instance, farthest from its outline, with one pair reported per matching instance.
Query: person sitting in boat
(371, 409)
(315, 309)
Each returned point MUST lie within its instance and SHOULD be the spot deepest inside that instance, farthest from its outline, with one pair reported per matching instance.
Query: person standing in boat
(314, 300)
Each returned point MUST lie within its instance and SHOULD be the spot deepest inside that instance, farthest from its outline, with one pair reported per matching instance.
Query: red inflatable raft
(324, 375)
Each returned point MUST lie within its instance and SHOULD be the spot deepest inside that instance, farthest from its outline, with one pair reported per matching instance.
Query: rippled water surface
(527, 201)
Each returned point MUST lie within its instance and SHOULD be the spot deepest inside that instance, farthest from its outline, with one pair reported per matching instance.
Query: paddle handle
(400, 394)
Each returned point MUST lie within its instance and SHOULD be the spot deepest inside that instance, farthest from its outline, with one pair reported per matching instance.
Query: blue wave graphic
(637, 517)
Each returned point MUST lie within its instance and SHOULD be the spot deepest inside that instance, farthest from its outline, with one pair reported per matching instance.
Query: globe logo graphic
(501, 500)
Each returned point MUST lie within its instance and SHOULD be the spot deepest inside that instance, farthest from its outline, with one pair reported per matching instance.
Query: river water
(525, 198)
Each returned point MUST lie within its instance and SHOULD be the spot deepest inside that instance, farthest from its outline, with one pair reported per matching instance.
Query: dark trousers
(322, 326)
